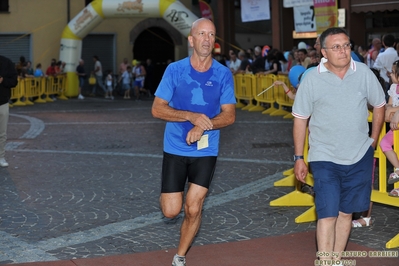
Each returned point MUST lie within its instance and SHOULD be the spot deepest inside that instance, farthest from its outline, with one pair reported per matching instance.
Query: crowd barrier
(38, 90)
(257, 93)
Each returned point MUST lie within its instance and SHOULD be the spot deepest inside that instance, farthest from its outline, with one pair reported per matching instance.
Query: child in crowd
(126, 77)
(109, 89)
(363, 219)
(387, 140)
(38, 72)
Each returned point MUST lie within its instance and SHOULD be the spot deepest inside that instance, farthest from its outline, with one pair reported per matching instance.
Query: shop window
(4, 6)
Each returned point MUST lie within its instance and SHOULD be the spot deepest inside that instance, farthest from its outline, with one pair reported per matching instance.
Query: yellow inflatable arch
(174, 12)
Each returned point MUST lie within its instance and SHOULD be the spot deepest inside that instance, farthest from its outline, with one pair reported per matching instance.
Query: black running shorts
(177, 169)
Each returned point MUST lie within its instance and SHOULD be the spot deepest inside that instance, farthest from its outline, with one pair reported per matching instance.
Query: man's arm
(226, 117)
(162, 110)
(378, 120)
(299, 134)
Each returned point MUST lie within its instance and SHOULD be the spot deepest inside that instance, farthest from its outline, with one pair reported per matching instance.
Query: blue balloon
(294, 74)
(286, 54)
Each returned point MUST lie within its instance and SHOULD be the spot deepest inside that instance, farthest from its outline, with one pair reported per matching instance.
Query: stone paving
(84, 182)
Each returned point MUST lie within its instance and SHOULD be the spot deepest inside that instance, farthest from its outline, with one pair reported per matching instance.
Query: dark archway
(154, 43)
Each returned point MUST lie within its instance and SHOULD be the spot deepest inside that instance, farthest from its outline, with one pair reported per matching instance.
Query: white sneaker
(80, 97)
(179, 261)
(3, 162)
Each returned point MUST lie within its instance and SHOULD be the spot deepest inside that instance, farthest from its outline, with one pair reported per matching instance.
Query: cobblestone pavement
(84, 181)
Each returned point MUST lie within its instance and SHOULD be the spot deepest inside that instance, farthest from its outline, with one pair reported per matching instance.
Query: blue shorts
(177, 169)
(344, 188)
(81, 81)
(125, 86)
(139, 83)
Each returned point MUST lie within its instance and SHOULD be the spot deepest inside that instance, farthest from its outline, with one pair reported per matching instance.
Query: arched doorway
(154, 43)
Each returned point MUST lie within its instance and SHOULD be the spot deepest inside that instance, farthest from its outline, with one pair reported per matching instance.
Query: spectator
(274, 64)
(38, 71)
(258, 65)
(373, 52)
(51, 69)
(28, 70)
(387, 141)
(303, 58)
(80, 71)
(123, 66)
(234, 62)
(126, 79)
(109, 80)
(384, 60)
(139, 77)
(245, 64)
(8, 80)
(98, 73)
(20, 65)
(149, 82)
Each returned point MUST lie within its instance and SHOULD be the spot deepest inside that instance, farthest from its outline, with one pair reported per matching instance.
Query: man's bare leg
(342, 230)
(192, 217)
(325, 234)
(171, 203)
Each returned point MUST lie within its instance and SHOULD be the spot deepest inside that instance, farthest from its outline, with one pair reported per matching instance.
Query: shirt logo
(209, 83)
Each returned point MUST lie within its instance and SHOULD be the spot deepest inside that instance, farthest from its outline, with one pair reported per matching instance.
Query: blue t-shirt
(38, 73)
(186, 89)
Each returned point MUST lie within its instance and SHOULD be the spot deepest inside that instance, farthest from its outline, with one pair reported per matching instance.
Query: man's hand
(194, 135)
(201, 121)
(1, 79)
(300, 170)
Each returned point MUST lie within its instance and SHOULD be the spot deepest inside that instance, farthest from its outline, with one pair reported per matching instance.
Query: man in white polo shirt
(333, 98)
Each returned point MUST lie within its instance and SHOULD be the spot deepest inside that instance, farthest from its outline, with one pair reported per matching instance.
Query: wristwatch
(298, 157)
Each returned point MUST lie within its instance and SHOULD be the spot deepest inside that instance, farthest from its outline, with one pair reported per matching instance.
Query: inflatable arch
(174, 12)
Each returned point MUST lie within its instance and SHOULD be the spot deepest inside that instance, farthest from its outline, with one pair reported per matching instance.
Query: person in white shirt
(385, 60)
(234, 62)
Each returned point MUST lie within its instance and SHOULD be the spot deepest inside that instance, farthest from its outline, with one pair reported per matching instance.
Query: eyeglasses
(337, 47)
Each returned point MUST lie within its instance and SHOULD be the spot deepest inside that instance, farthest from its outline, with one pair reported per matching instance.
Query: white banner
(254, 10)
(292, 3)
(304, 19)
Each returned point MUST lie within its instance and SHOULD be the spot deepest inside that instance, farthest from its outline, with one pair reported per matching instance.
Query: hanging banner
(254, 10)
(326, 14)
(206, 10)
(292, 3)
(304, 19)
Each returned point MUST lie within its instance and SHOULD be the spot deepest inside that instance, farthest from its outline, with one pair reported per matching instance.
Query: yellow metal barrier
(264, 82)
(282, 99)
(30, 88)
(33, 89)
(17, 93)
(55, 86)
(243, 90)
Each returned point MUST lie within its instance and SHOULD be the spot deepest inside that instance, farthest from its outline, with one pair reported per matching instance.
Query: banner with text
(292, 3)
(326, 13)
(254, 10)
(304, 19)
